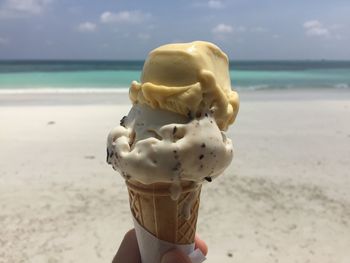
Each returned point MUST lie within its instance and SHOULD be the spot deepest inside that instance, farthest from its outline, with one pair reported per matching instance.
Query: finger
(128, 251)
(175, 256)
(199, 243)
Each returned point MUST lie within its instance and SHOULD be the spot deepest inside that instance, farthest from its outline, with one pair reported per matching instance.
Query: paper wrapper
(152, 248)
(162, 223)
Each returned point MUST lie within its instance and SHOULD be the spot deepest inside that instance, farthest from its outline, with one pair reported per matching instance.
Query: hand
(128, 251)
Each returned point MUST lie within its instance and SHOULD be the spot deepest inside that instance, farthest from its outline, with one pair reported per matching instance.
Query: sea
(101, 76)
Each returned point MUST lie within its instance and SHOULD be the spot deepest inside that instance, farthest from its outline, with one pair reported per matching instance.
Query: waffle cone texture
(154, 209)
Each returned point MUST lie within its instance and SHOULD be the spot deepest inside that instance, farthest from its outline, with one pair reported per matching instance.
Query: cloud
(312, 24)
(222, 29)
(215, 4)
(317, 31)
(127, 17)
(20, 8)
(4, 41)
(87, 27)
(316, 28)
(225, 29)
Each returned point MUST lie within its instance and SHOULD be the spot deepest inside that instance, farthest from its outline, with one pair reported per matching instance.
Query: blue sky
(125, 29)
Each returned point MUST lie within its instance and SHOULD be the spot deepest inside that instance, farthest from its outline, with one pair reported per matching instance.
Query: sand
(285, 198)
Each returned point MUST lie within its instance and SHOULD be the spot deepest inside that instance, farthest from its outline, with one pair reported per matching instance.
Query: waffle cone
(165, 218)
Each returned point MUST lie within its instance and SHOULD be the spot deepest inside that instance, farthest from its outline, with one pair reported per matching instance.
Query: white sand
(285, 198)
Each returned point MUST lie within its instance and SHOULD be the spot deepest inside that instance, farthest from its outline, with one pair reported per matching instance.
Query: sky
(127, 29)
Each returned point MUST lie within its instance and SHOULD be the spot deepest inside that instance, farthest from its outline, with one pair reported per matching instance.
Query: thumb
(175, 256)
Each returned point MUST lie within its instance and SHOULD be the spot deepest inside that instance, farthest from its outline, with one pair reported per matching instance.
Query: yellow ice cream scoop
(189, 79)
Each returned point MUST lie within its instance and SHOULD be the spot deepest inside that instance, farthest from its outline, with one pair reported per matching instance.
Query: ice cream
(175, 129)
(160, 146)
(189, 79)
(173, 140)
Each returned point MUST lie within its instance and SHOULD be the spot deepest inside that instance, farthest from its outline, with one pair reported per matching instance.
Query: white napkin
(152, 248)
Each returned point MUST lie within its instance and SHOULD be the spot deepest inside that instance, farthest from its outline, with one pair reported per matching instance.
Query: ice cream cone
(169, 220)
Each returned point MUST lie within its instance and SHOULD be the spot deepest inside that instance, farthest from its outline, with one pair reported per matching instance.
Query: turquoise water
(116, 75)
(324, 78)
(76, 79)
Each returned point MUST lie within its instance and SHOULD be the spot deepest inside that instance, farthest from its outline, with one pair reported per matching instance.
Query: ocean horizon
(20, 76)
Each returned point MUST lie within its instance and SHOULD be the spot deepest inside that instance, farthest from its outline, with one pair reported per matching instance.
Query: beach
(285, 197)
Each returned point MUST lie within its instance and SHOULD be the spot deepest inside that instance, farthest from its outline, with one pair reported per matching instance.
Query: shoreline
(120, 96)
(53, 90)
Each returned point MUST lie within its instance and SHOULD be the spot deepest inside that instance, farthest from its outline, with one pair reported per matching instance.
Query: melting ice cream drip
(188, 205)
(175, 190)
